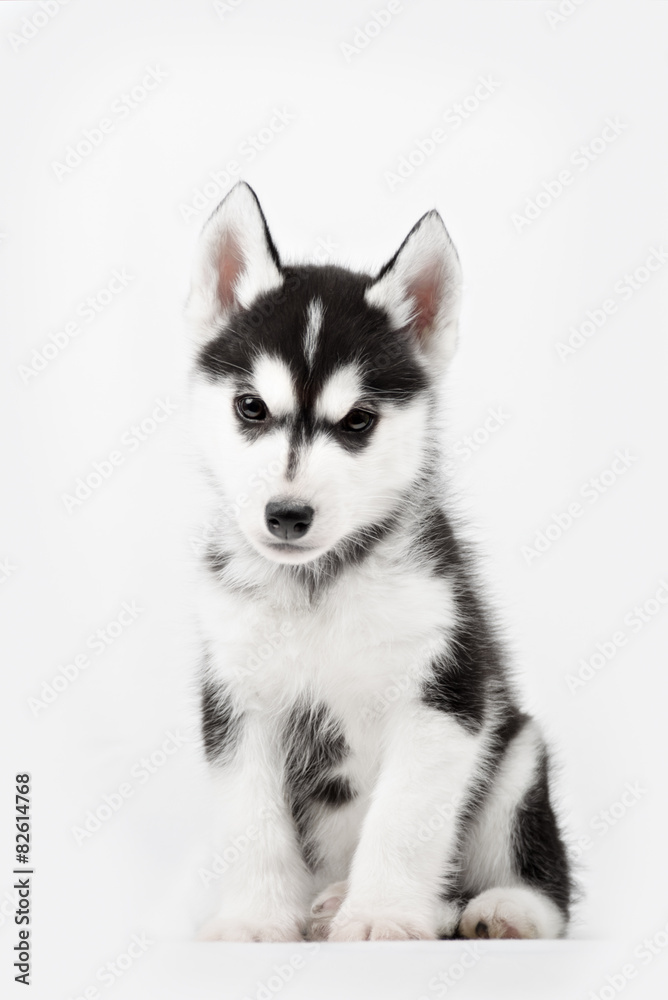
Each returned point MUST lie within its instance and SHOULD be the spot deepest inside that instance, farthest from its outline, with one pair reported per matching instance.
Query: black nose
(286, 522)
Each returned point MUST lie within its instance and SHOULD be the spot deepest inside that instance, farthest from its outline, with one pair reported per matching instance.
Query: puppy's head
(312, 384)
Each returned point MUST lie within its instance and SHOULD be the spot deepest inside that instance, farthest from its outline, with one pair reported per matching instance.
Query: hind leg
(511, 912)
(516, 874)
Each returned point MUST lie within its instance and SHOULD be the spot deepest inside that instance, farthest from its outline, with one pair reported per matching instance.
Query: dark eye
(252, 408)
(357, 421)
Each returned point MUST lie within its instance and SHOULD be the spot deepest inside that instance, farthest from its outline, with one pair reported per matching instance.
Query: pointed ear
(236, 261)
(420, 288)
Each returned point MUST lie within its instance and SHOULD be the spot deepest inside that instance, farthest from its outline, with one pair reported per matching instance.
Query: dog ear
(236, 261)
(420, 288)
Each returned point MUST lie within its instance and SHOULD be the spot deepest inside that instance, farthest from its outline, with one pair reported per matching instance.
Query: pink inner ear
(425, 293)
(230, 267)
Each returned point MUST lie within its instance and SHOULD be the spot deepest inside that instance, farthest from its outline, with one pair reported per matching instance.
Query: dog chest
(371, 631)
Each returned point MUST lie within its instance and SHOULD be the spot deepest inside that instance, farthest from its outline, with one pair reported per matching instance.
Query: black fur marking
(436, 539)
(457, 685)
(220, 725)
(540, 857)
(352, 332)
(351, 441)
(303, 428)
(314, 745)
(336, 791)
(460, 676)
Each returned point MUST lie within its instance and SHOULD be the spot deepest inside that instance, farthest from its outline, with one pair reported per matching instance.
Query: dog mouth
(288, 552)
(288, 547)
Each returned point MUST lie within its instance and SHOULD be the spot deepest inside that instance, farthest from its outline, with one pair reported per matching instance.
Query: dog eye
(357, 421)
(252, 408)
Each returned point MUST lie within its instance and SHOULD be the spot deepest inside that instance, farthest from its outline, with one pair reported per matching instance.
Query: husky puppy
(370, 767)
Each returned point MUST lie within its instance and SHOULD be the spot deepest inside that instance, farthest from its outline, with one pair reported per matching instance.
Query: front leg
(408, 837)
(265, 889)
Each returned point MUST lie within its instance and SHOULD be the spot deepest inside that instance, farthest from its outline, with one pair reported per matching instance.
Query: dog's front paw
(379, 925)
(226, 929)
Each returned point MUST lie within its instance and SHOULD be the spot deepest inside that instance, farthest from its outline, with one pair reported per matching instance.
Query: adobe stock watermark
(120, 110)
(398, 685)
(131, 440)
(323, 250)
(140, 773)
(235, 848)
(623, 290)
(607, 819)
(225, 7)
(581, 159)
(562, 11)
(283, 973)
(466, 447)
(365, 33)
(644, 954)
(591, 491)
(32, 24)
(7, 569)
(85, 312)
(605, 651)
(261, 481)
(382, 702)
(446, 980)
(444, 814)
(110, 972)
(97, 642)
(205, 197)
(453, 118)
(264, 651)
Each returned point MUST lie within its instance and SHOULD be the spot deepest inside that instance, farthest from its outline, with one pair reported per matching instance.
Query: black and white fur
(375, 765)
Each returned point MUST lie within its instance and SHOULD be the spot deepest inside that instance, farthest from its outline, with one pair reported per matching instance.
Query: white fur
(487, 845)
(314, 319)
(273, 383)
(339, 394)
(258, 901)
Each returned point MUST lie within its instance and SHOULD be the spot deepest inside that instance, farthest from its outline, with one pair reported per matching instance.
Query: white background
(326, 178)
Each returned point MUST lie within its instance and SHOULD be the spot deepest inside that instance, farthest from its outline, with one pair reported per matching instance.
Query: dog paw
(225, 929)
(379, 926)
(325, 907)
(511, 913)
